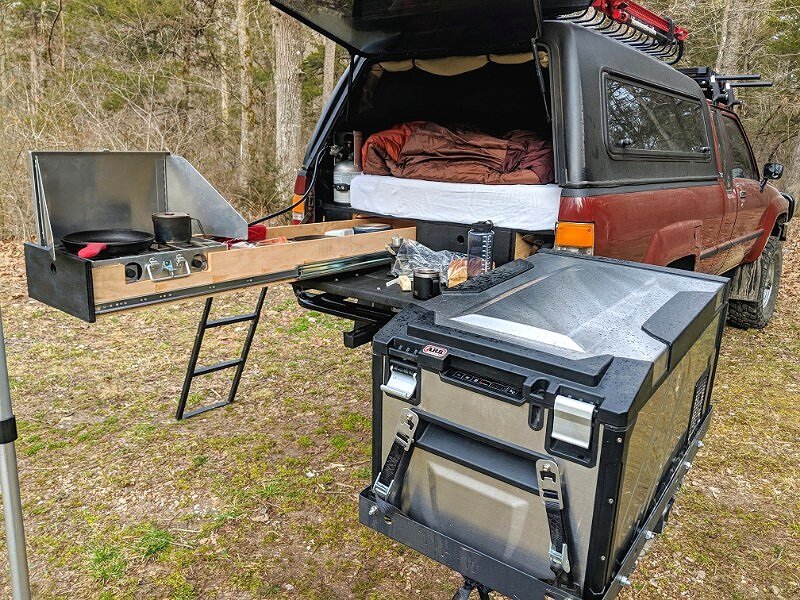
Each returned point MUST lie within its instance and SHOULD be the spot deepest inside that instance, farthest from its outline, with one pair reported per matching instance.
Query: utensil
(339, 232)
(46, 236)
(172, 227)
(109, 242)
(371, 228)
(307, 238)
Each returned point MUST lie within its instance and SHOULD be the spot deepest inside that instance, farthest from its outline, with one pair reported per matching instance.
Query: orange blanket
(425, 150)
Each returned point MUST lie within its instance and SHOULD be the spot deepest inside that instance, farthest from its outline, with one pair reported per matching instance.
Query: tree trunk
(245, 88)
(328, 70)
(287, 36)
(224, 86)
(33, 61)
(3, 74)
(187, 53)
(793, 184)
(737, 27)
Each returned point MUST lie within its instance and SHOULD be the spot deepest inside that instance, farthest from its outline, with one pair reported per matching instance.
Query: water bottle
(480, 240)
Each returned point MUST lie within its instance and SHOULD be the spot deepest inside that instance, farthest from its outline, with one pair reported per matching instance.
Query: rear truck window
(644, 120)
(741, 163)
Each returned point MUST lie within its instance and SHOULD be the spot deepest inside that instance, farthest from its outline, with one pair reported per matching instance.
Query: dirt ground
(259, 499)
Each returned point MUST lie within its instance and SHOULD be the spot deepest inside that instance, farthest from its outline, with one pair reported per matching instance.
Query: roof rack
(719, 88)
(636, 26)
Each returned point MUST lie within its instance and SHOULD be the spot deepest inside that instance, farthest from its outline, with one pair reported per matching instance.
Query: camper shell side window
(645, 120)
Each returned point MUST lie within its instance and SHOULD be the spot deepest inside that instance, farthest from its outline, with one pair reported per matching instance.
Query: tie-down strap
(549, 479)
(390, 480)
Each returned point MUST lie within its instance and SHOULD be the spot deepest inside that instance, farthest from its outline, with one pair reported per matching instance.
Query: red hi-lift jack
(636, 26)
(634, 14)
(658, 36)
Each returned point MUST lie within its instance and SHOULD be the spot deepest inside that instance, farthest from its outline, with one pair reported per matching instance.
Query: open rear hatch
(395, 29)
(391, 30)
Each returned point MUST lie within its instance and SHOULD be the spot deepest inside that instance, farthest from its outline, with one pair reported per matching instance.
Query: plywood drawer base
(239, 264)
(86, 289)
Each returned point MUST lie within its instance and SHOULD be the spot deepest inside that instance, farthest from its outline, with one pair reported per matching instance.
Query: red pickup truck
(650, 163)
(734, 226)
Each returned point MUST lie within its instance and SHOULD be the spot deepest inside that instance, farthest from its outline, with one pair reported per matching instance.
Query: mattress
(525, 207)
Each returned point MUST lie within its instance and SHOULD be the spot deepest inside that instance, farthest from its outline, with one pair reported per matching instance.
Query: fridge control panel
(483, 384)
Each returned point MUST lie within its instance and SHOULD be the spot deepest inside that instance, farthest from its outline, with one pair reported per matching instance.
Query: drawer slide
(86, 289)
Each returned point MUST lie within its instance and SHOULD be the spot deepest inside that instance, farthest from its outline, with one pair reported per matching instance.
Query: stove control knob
(199, 262)
(133, 271)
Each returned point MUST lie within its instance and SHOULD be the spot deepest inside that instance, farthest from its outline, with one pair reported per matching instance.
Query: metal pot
(172, 227)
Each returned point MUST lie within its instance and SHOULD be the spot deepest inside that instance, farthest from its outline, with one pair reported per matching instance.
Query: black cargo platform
(368, 286)
(361, 296)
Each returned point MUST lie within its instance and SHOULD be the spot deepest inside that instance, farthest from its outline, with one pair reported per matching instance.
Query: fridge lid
(579, 309)
(407, 28)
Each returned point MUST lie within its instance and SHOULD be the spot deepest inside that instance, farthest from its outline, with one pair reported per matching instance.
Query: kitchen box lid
(83, 191)
(408, 28)
(590, 322)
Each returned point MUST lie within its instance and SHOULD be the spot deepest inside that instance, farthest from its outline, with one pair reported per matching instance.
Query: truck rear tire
(756, 315)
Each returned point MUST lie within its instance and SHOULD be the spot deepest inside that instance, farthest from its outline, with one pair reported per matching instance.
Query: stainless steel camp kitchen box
(87, 191)
(532, 426)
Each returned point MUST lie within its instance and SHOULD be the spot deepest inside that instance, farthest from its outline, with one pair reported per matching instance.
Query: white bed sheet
(527, 207)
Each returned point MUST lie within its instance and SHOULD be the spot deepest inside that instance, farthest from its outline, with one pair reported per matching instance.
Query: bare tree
(245, 90)
(287, 35)
(3, 64)
(328, 70)
(33, 60)
(224, 86)
(793, 183)
(737, 29)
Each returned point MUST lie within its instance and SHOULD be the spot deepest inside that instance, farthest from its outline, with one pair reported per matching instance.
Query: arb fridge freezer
(532, 426)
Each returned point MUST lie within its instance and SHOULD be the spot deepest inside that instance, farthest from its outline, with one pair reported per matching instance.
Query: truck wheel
(748, 315)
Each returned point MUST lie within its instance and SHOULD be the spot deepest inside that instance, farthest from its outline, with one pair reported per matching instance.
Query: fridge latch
(401, 384)
(572, 421)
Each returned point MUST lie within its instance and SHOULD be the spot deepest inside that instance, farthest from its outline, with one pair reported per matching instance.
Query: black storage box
(532, 426)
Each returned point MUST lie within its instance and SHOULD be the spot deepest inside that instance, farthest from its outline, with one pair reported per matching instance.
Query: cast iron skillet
(107, 242)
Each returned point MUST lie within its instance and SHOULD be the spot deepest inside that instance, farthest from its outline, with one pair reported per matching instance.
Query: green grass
(179, 587)
(363, 472)
(153, 542)
(340, 442)
(106, 563)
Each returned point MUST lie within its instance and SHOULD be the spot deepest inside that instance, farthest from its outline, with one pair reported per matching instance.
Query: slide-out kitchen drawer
(86, 289)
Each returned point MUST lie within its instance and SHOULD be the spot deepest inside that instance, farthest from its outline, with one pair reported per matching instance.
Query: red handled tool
(92, 249)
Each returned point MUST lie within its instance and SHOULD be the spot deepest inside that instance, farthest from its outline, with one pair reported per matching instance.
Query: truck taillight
(300, 184)
(300, 187)
(299, 211)
(575, 237)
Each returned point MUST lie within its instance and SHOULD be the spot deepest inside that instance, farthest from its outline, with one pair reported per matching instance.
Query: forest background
(235, 86)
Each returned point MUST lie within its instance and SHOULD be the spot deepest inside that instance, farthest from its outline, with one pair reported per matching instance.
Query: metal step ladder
(194, 371)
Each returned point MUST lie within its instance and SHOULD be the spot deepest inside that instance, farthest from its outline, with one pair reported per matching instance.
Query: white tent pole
(9, 485)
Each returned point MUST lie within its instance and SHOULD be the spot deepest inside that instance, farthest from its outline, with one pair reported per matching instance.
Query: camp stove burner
(166, 261)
